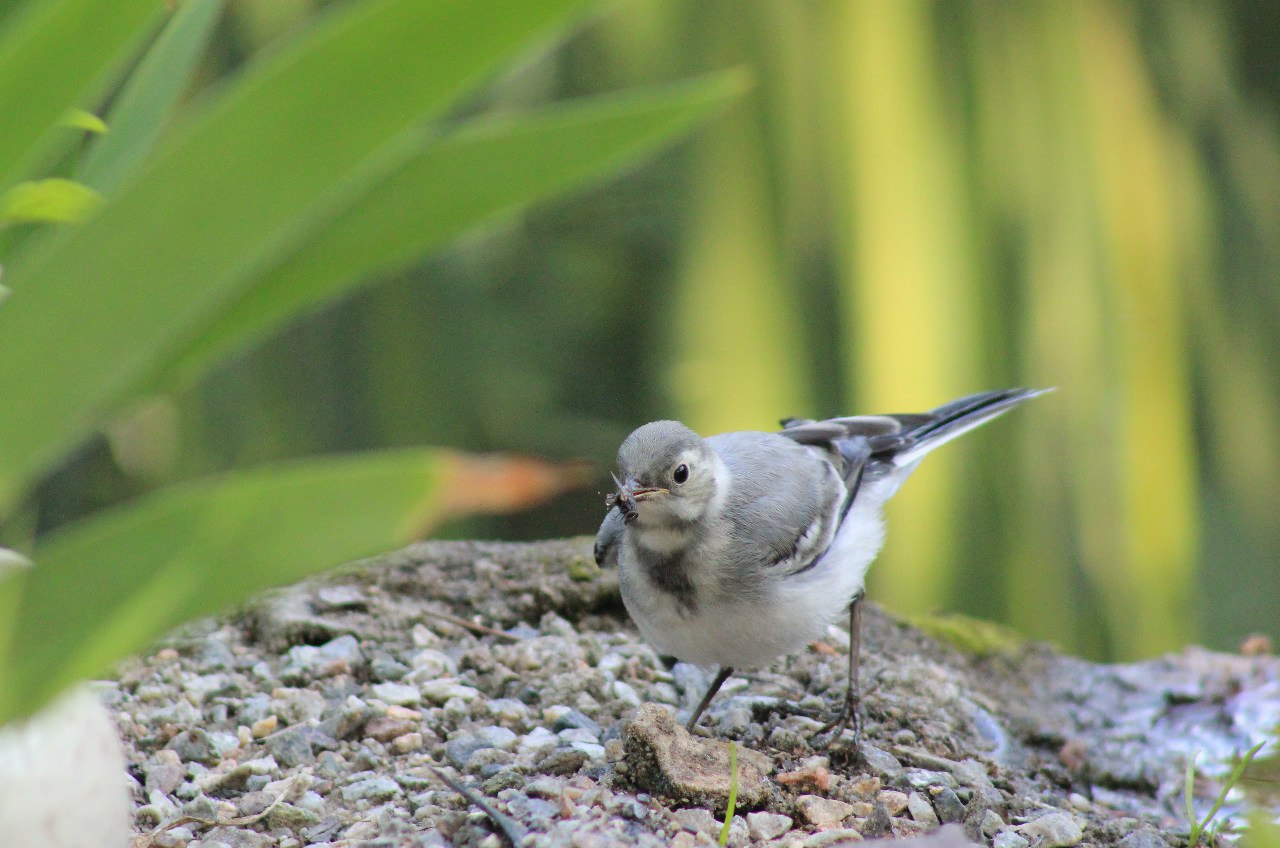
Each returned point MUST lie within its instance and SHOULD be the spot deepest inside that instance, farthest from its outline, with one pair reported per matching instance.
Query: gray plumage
(740, 547)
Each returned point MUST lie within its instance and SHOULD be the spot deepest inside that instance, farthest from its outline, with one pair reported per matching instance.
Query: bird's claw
(849, 717)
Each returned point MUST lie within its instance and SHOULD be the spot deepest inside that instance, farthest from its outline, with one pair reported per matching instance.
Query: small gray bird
(739, 548)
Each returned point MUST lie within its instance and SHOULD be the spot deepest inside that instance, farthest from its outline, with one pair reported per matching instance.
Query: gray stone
(577, 719)
(880, 761)
(375, 788)
(766, 826)
(947, 803)
(991, 823)
(238, 837)
(921, 810)
(194, 746)
(1143, 839)
(833, 838)
(1056, 830)
(1009, 839)
(400, 694)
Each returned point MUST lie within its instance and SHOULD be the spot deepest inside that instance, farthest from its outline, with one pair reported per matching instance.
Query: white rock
(765, 826)
(61, 782)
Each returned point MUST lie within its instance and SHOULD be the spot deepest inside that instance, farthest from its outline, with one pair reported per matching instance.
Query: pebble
(921, 810)
(407, 743)
(829, 838)
(990, 824)
(442, 691)
(370, 787)
(766, 826)
(264, 727)
(1009, 839)
(400, 694)
(894, 801)
(1056, 830)
(948, 805)
(880, 760)
(821, 812)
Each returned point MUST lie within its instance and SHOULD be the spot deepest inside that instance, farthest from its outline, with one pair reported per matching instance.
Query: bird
(739, 548)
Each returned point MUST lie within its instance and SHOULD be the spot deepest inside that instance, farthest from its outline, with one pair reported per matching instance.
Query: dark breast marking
(667, 573)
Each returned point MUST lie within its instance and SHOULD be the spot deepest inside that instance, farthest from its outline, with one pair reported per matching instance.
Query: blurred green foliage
(917, 200)
(191, 227)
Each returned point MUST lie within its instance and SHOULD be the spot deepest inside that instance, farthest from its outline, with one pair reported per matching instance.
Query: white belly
(791, 612)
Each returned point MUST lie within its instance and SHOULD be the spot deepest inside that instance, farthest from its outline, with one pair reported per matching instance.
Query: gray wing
(609, 537)
(783, 498)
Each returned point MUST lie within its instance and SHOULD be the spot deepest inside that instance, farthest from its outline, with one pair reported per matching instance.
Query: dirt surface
(349, 711)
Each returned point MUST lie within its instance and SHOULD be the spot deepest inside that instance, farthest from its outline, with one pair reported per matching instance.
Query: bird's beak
(637, 492)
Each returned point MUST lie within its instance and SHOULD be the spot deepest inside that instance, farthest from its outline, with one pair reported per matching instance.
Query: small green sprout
(1206, 826)
(733, 795)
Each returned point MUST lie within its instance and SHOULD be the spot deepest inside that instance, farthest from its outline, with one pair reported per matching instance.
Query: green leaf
(230, 191)
(54, 56)
(108, 586)
(79, 119)
(486, 169)
(143, 106)
(54, 200)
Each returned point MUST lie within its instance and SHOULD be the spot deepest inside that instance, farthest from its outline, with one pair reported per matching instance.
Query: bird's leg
(851, 713)
(721, 676)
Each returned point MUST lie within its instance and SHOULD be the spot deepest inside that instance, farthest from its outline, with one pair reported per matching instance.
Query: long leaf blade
(259, 158)
(108, 586)
(52, 57)
(487, 169)
(148, 97)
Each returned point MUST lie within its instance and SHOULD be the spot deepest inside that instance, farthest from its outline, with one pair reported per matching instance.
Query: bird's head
(668, 475)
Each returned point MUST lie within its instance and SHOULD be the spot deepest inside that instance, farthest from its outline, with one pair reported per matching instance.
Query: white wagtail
(736, 549)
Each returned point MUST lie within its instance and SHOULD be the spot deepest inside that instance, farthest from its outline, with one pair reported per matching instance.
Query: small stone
(340, 597)
(1009, 839)
(697, 820)
(766, 826)
(991, 823)
(823, 813)
(539, 740)
(924, 778)
(375, 788)
(1079, 802)
(566, 718)
(290, 817)
(264, 727)
(1056, 830)
(238, 837)
(894, 801)
(386, 728)
(948, 805)
(165, 777)
(441, 691)
(407, 743)
(401, 694)
(194, 746)
(545, 787)
(831, 838)
(625, 692)
(1142, 839)
(880, 761)
(921, 810)
(661, 757)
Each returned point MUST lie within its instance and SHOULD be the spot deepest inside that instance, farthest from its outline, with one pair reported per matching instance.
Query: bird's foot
(849, 717)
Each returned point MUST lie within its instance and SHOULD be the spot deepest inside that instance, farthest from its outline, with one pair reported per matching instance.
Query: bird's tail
(924, 432)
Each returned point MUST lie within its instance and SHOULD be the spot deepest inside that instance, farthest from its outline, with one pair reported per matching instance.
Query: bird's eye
(681, 473)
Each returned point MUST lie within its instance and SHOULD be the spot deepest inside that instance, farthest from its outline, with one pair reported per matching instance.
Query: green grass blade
(486, 169)
(106, 587)
(231, 190)
(143, 106)
(54, 55)
(80, 119)
(1188, 797)
(733, 794)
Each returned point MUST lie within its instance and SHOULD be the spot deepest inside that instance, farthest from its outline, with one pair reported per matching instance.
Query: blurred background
(916, 201)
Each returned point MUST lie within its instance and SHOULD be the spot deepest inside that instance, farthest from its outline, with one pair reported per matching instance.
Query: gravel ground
(350, 710)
